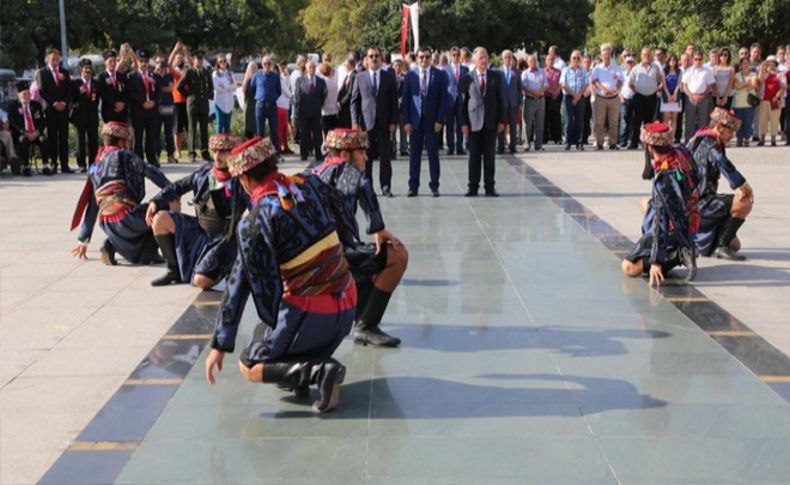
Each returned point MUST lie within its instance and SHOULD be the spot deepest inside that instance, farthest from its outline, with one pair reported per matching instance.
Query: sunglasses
(697, 58)
(423, 57)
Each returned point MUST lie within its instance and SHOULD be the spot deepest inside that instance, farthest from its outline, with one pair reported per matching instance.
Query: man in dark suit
(309, 97)
(455, 72)
(374, 109)
(483, 115)
(85, 114)
(55, 87)
(423, 108)
(198, 88)
(512, 83)
(346, 89)
(112, 89)
(144, 93)
(26, 118)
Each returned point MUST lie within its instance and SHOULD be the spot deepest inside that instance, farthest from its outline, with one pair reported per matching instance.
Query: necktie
(29, 127)
(87, 86)
(147, 86)
(423, 84)
(457, 73)
(507, 76)
(376, 82)
(57, 78)
(312, 85)
(483, 83)
(112, 78)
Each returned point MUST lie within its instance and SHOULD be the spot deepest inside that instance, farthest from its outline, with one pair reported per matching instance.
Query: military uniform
(198, 88)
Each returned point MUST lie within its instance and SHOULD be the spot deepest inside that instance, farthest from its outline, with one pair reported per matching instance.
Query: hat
(196, 53)
(117, 129)
(108, 54)
(249, 154)
(772, 58)
(223, 142)
(657, 135)
(22, 86)
(725, 117)
(346, 139)
(629, 58)
(143, 54)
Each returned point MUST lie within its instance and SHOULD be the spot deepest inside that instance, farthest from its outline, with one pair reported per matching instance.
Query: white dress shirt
(697, 80)
(608, 76)
(224, 89)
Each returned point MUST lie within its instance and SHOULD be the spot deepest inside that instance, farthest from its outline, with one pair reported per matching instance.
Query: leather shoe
(374, 336)
(386, 192)
(412, 193)
(66, 169)
(724, 252)
(461, 152)
(168, 278)
(492, 193)
(470, 193)
(435, 193)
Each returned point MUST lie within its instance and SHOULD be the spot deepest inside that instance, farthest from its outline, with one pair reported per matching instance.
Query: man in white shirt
(698, 84)
(534, 84)
(626, 103)
(645, 81)
(607, 80)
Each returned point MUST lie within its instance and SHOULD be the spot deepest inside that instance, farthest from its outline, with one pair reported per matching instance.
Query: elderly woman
(331, 107)
(773, 92)
(746, 84)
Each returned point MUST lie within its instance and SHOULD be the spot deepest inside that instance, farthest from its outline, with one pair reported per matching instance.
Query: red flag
(404, 31)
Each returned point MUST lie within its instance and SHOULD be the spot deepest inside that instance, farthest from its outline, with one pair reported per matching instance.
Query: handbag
(753, 100)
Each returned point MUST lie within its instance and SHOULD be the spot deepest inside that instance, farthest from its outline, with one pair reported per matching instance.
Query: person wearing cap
(113, 194)
(198, 87)
(379, 267)
(85, 114)
(645, 80)
(26, 118)
(144, 95)
(199, 249)
(672, 216)
(55, 88)
(626, 103)
(290, 261)
(722, 214)
(112, 90)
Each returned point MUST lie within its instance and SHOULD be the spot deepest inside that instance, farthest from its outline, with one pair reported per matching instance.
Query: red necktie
(483, 84)
(87, 85)
(57, 78)
(29, 127)
(457, 73)
(147, 87)
(112, 78)
(312, 86)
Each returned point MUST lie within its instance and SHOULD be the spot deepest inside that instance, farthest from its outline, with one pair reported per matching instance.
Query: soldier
(292, 263)
(55, 88)
(85, 114)
(112, 89)
(198, 88)
(200, 249)
(26, 117)
(113, 192)
(379, 267)
(144, 96)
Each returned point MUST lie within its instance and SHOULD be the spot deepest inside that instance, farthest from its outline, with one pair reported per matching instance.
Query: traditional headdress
(725, 117)
(346, 139)
(657, 135)
(223, 142)
(117, 129)
(250, 154)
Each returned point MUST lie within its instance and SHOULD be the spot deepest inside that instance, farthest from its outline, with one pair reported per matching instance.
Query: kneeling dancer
(377, 268)
(200, 249)
(290, 257)
(114, 193)
(672, 217)
(721, 214)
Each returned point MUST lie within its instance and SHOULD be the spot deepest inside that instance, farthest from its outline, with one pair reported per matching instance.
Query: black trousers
(512, 125)
(380, 147)
(145, 125)
(628, 121)
(197, 113)
(553, 129)
(58, 135)
(482, 152)
(329, 123)
(24, 150)
(455, 137)
(644, 112)
(87, 141)
(312, 138)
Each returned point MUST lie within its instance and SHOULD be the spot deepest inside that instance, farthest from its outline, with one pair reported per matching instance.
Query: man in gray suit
(483, 115)
(512, 83)
(374, 109)
(309, 97)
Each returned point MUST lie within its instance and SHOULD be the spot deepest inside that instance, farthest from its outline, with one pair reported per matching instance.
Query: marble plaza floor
(526, 358)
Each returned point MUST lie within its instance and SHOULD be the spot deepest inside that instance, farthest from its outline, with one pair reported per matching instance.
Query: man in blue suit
(455, 72)
(512, 80)
(423, 109)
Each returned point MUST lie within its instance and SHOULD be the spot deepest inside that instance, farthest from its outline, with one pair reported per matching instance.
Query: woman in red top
(770, 107)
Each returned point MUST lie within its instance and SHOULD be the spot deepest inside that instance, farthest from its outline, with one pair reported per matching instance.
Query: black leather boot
(108, 253)
(327, 375)
(167, 243)
(367, 329)
(688, 258)
(724, 238)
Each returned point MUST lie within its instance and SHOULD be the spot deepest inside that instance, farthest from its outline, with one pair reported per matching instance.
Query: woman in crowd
(724, 74)
(670, 98)
(224, 89)
(249, 99)
(770, 107)
(331, 108)
(746, 84)
(283, 106)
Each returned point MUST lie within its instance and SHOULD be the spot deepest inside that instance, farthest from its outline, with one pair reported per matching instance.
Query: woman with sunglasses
(224, 89)
(724, 73)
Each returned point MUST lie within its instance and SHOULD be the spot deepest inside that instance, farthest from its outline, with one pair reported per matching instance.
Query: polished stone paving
(527, 358)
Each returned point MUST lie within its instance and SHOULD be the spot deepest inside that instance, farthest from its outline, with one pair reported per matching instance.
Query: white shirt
(3, 116)
(331, 106)
(559, 64)
(645, 79)
(626, 92)
(534, 80)
(697, 80)
(608, 76)
(295, 75)
(224, 89)
(284, 101)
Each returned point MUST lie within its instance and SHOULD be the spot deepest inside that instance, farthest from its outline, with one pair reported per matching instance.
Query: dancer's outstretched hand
(80, 251)
(656, 275)
(214, 359)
